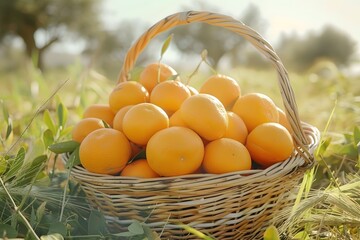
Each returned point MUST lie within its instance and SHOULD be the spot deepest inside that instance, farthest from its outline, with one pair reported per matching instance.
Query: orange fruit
(206, 115)
(105, 151)
(236, 128)
(127, 93)
(255, 109)
(283, 120)
(169, 95)
(84, 127)
(269, 143)
(224, 88)
(142, 121)
(101, 111)
(226, 155)
(119, 116)
(140, 169)
(176, 120)
(175, 151)
(155, 73)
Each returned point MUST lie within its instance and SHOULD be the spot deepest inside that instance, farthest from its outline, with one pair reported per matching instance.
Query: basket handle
(183, 18)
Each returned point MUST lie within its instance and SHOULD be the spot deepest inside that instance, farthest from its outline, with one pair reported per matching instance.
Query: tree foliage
(218, 41)
(330, 43)
(41, 23)
(107, 51)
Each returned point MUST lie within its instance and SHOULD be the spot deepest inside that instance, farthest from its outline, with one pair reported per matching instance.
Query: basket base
(239, 205)
(238, 222)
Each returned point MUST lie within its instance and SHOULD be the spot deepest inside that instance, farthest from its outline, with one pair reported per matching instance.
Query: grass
(33, 183)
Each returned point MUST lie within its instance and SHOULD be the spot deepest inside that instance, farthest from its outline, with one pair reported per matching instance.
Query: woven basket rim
(288, 165)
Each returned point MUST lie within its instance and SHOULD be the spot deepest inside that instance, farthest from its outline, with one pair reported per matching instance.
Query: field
(38, 109)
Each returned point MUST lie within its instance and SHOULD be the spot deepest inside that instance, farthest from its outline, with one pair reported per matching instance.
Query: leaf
(96, 224)
(55, 236)
(15, 164)
(14, 220)
(204, 54)
(32, 217)
(62, 113)
(39, 160)
(150, 234)
(7, 231)
(48, 138)
(40, 211)
(323, 146)
(301, 236)
(136, 228)
(74, 159)
(7, 119)
(271, 233)
(59, 228)
(30, 171)
(348, 138)
(9, 128)
(140, 155)
(5, 111)
(3, 165)
(347, 149)
(166, 44)
(49, 121)
(64, 147)
(106, 124)
(66, 131)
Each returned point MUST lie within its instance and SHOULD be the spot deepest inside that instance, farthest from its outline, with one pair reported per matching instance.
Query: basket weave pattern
(238, 205)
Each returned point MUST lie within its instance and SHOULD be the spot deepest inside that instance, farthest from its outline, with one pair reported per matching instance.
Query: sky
(280, 16)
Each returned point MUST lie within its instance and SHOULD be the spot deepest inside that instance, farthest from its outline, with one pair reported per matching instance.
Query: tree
(198, 36)
(331, 44)
(108, 50)
(47, 22)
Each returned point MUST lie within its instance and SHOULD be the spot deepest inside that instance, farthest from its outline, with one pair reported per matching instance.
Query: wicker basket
(238, 205)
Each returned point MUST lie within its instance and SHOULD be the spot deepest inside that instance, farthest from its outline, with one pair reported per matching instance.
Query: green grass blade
(195, 232)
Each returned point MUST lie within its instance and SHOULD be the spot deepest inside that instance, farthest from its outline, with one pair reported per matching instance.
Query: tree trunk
(40, 63)
(27, 34)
